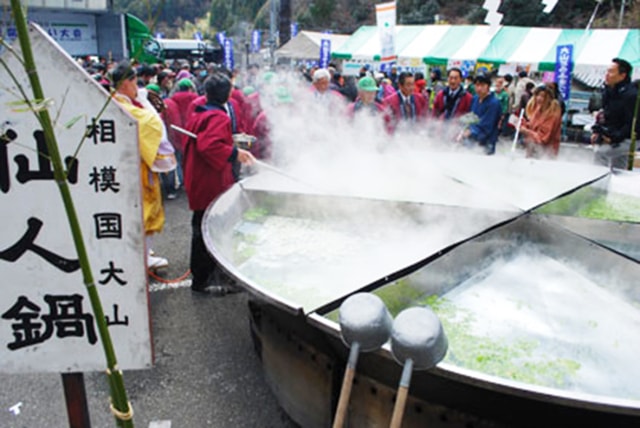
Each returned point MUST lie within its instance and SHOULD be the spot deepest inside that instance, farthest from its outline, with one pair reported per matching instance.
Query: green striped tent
(537, 46)
(431, 44)
(459, 43)
(592, 50)
(442, 45)
(364, 44)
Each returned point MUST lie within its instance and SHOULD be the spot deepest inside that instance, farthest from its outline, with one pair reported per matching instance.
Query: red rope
(168, 281)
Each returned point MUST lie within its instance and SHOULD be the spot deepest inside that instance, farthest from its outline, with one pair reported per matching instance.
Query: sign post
(75, 397)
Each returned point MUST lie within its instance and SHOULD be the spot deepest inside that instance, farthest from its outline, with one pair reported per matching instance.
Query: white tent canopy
(306, 45)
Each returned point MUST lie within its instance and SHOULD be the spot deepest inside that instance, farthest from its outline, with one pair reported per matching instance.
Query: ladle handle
(347, 383)
(272, 168)
(184, 131)
(401, 398)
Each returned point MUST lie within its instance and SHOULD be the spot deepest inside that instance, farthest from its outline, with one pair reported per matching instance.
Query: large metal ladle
(365, 324)
(417, 341)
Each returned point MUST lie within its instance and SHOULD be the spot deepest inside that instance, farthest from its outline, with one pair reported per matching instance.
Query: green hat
(283, 96)
(248, 90)
(186, 83)
(268, 77)
(153, 87)
(367, 84)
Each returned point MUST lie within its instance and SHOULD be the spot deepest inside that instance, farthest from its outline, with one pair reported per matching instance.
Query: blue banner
(564, 65)
(12, 33)
(325, 53)
(228, 53)
(256, 41)
(294, 29)
(385, 67)
(221, 37)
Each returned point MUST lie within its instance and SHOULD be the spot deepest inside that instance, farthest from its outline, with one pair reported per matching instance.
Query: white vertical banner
(386, 21)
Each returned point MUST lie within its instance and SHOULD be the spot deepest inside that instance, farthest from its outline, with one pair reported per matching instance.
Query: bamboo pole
(120, 406)
(634, 136)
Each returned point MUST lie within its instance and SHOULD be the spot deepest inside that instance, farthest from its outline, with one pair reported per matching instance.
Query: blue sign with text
(256, 41)
(221, 36)
(228, 53)
(325, 53)
(564, 65)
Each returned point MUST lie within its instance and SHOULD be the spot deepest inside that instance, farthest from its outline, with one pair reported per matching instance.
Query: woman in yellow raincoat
(150, 131)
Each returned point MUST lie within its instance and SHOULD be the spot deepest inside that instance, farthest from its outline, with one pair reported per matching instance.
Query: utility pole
(593, 15)
(622, 5)
(285, 21)
(273, 28)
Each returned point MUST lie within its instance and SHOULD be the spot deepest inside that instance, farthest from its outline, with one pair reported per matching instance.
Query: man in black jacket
(612, 132)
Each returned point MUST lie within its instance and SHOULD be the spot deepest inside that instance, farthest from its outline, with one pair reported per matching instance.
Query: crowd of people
(198, 123)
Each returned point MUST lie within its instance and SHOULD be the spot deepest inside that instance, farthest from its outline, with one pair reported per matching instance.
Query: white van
(190, 49)
(182, 48)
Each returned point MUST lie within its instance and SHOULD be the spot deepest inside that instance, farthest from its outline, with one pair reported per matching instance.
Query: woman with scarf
(541, 128)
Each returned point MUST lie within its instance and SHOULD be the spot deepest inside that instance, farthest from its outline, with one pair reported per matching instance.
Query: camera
(602, 131)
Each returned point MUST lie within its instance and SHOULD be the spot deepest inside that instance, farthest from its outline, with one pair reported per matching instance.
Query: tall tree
(423, 13)
(525, 13)
(221, 17)
(321, 12)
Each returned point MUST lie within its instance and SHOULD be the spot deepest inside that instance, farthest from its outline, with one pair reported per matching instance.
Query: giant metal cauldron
(532, 267)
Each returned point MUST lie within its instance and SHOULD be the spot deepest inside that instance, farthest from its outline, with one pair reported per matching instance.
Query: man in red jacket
(452, 101)
(208, 159)
(405, 108)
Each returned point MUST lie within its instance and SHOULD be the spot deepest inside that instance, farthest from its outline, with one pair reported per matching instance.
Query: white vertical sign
(386, 21)
(46, 319)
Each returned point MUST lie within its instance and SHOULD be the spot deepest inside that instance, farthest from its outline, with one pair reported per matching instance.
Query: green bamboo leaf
(18, 103)
(20, 110)
(72, 122)
(22, 106)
